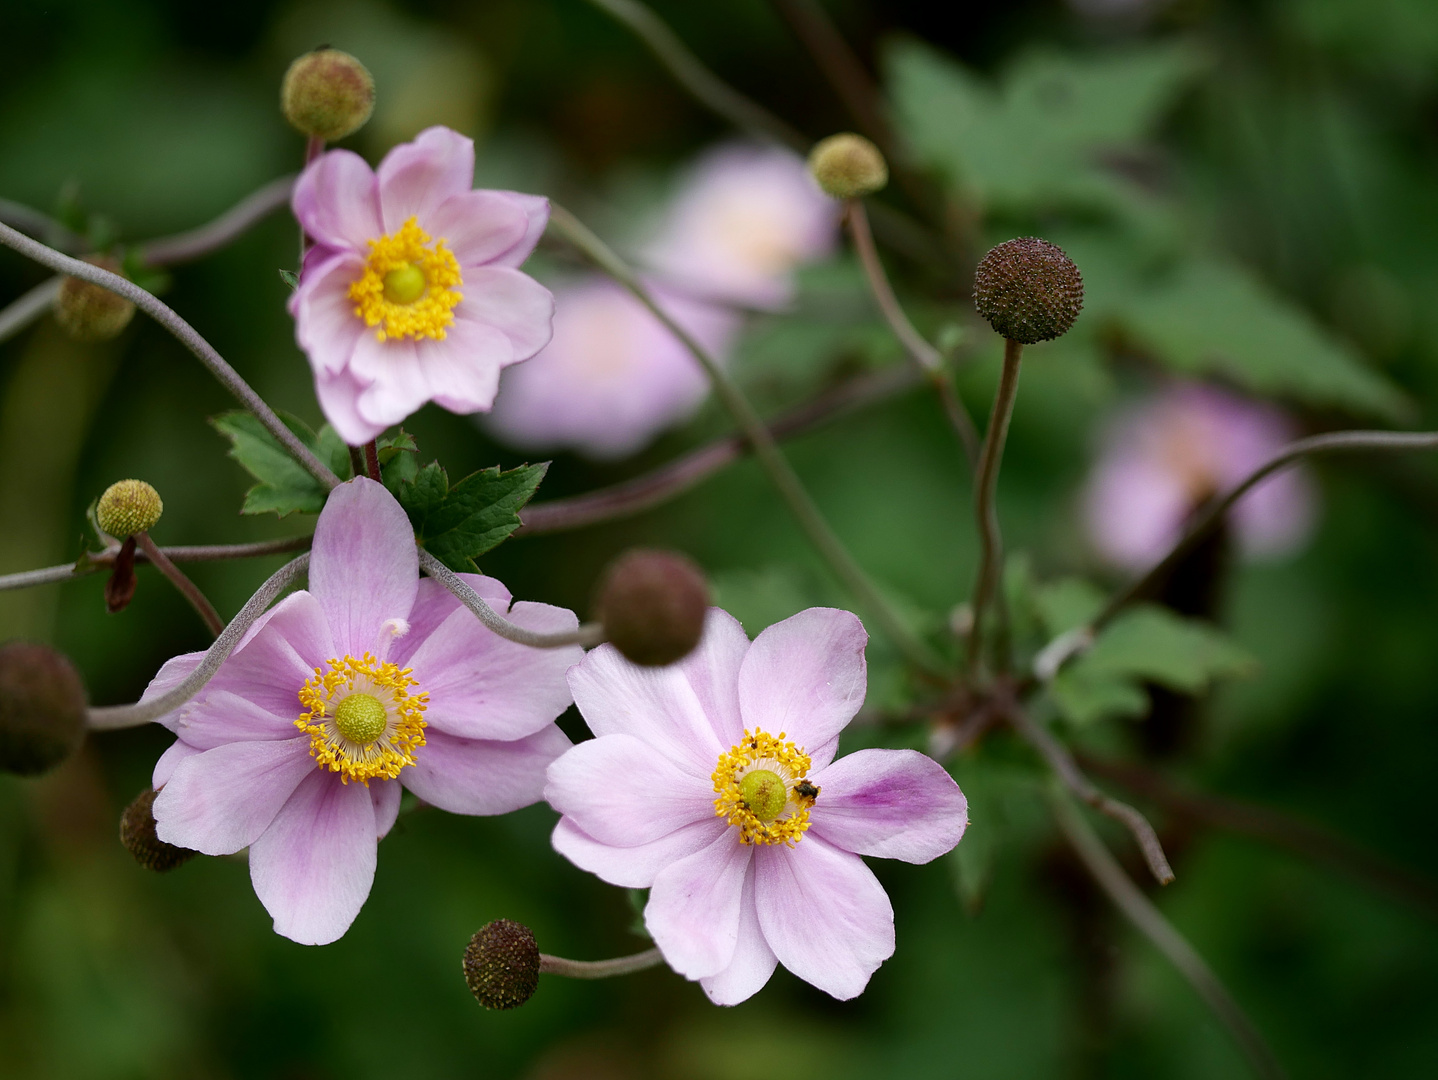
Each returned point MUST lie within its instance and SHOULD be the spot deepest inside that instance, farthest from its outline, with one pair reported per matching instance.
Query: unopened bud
(501, 964)
(652, 605)
(137, 833)
(848, 166)
(1028, 290)
(129, 507)
(89, 312)
(328, 94)
(42, 708)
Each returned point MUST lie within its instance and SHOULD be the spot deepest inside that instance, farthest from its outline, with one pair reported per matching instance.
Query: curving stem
(588, 634)
(599, 969)
(188, 589)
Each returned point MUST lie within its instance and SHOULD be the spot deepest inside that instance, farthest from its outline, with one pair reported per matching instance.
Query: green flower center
(764, 793)
(404, 284)
(361, 718)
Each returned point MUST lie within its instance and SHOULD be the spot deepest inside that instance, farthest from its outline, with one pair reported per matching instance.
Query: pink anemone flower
(411, 292)
(369, 681)
(713, 783)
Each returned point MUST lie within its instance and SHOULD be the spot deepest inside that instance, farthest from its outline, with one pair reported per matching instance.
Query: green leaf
(1083, 696)
(1067, 603)
(458, 524)
(398, 459)
(284, 486)
(290, 278)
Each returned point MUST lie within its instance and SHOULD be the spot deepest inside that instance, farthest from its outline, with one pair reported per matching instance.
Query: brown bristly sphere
(501, 964)
(137, 833)
(1028, 290)
(652, 605)
(327, 94)
(42, 708)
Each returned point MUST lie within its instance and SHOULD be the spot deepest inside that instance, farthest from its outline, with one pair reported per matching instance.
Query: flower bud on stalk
(327, 94)
(89, 312)
(1028, 290)
(848, 166)
(129, 507)
(652, 605)
(501, 964)
(137, 833)
(42, 708)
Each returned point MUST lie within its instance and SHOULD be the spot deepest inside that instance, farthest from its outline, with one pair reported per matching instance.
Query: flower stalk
(188, 589)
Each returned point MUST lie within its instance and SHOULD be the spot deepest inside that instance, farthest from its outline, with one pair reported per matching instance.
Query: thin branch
(781, 473)
(33, 222)
(1067, 770)
(170, 320)
(110, 717)
(193, 243)
(1150, 922)
(188, 589)
(840, 67)
(675, 478)
(94, 563)
(599, 969)
(703, 84)
(588, 634)
(21, 312)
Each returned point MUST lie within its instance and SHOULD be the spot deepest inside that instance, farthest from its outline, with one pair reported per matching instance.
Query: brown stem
(371, 460)
(188, 588)
(599, 969)
(104, 560)
(840, 67)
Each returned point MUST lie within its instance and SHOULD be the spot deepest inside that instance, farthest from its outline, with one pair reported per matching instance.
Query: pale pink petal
(216, 717)
(326, 325)
(337, 201)
(478, 226)
(462, 371)
(386, 795)
(753, 961)
(895, 804)
(433, 604)
(391, 382)
(619, 791)
(219, 802)
(633, 867)
(483, 776)
(805, 676)
(656, 705)
(712, 670)
(171, 674)
(693, 912)
(513, 303)
(536, 211)
(364, 568)
(416, 177)
(170, 760)
(314, 865)
(824, 914)
(339, 401)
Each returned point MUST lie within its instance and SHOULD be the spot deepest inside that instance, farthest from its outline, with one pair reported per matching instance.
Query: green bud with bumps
(129, 507)
(42, 708)
(1028, 290)
(653, 605)
(137, 833)
(327, 94)
(501, 964)
(848, 166)
(92, 313)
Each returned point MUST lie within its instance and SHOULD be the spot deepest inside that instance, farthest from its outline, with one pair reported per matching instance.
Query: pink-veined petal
(326, 325)
(433, 603)
(478, 226)
(337, 201)
(536, 211)
(633, 867)
(894, 804)
(386, 795)
(753, 962)
(462, 371)
(483, 776)
(170, 760)
(416, 177)
(694, 907)
(513, 303)
(339, 400)
(805, 676)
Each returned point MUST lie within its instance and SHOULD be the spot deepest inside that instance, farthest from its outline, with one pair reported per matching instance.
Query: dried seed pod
(327, 94)
(42, 708)
(137, 833)
(501, 964)
(848, 166)
(652, 605)
(1028, 290)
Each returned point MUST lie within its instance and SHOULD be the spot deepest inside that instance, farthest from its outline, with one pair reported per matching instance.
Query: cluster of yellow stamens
(408, 288)
(762, 789)
(361, 718)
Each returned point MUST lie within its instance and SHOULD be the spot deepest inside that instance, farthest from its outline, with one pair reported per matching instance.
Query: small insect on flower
(805, 791)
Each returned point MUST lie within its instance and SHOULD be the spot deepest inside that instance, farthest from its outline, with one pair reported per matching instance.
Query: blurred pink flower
(411, 293)
(390, 683)
(1164, 457)
(612, 378)
(712, 783)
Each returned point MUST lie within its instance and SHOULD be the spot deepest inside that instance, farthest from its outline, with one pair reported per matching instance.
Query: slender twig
(991, 547)
(691, 74)
(840, 67)
(781, 473)
(42, 226)
(1150, 922)
(1067, 770)
(171, 321)
(587, 634)
(110, 717)
(28, 307)
(673, 479)
(213, 235)
(188, 589)
(103, 560)
(928, 358)
(599, 969)
(1273, 827)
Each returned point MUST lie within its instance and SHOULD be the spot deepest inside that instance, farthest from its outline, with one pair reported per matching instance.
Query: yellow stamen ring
(761, 788)
(408, 288)
(362, 719)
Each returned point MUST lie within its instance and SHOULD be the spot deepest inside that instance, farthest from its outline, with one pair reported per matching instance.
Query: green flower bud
(327, 94)
(501, 964)
(129, 507)
(137, 833)
(1028, 290)
(42, 708)
(848, 166)
(652, 605)
(89, 312)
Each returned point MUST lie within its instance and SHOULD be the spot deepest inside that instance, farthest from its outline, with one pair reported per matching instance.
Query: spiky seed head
(92, 313)
(652, 605)
(501, 964)
(328, 94)
(848, 166)
(137, 833)
(42, 708)
(1028, 290)
(129, 507)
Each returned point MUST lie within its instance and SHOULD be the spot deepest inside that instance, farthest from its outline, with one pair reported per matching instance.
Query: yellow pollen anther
(409, 288)
(362, 719)
(762, 790)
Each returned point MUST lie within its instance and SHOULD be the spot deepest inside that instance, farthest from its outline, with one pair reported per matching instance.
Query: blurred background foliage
(1249, 189)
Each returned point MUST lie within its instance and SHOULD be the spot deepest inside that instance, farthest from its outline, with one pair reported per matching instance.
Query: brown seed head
(328, 94)
(137, 833)
(652, 605)
(1028, 290)
(42, 708)
(848, 166)
(501, 964)
(89, 312)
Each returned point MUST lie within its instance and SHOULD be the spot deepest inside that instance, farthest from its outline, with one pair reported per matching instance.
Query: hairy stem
(599, 969)
(28, 307)
(1150, 922)
(780, 472)
(188, 589)
(588, 634)
(213, 235)
(93, 564)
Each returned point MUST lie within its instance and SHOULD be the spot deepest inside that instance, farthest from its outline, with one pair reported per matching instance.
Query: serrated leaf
(458, 524)
(284, 486)
(398, 460)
